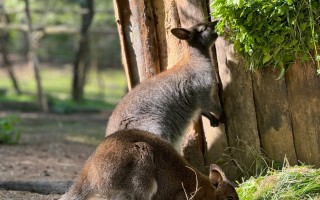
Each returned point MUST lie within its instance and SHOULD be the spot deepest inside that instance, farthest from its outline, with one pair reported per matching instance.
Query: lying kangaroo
(134, 164)
(166, 103)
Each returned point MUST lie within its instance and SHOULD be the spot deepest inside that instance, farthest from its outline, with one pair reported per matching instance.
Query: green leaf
(303, 26)
(249, 18)
(266, 58)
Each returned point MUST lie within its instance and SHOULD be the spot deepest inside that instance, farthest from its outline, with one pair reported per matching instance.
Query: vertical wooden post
(273, 115)
(303, 86)
(238, 104)
(192, 12)
(138, 38)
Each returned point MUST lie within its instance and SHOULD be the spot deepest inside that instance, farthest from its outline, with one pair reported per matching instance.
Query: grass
(266, 179)
(102, 91)
(290, 183)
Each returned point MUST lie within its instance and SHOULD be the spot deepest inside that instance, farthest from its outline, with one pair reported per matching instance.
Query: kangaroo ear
(181, 33)
(216, 175)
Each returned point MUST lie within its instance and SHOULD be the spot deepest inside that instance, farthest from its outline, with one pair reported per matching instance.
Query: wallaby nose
(214, 23)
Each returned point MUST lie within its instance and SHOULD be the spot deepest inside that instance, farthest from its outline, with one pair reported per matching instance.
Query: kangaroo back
(166, 103)
(134, 164)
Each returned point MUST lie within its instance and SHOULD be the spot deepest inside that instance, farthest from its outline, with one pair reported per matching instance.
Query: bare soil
(52, 147)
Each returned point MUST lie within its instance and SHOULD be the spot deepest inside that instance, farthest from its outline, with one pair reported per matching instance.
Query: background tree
(82, 57)
(34, 59)
(57, 27)
(4, 39)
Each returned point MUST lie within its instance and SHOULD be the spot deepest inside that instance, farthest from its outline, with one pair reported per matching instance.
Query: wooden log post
(303, 87)
(238, 104)
(273, 115)
(138, 39)
(194, 148)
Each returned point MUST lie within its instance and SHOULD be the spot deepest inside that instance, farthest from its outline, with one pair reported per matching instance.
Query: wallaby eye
(230, 198)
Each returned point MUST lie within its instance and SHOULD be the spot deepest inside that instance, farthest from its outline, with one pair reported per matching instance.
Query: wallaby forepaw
(214, 122)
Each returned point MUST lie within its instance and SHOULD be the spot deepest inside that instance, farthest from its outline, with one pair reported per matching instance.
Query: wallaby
(135, 164)
(166, 103)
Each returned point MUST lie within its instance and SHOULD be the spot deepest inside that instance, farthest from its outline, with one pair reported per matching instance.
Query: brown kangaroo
(166, 103)
(134, 164)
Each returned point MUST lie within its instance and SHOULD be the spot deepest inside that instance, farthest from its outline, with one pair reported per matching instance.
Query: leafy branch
(271, 33)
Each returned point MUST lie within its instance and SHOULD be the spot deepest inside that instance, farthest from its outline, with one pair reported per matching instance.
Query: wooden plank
(238, 104)
(138, 39)
(192, 12)
(304, 98)
(171, 48)
(273, 115)
(122, 17)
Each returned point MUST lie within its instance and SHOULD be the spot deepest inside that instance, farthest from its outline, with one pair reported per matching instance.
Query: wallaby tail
(42, 187)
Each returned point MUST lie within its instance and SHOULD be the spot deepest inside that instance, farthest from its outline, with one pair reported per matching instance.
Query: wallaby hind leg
(79, 191)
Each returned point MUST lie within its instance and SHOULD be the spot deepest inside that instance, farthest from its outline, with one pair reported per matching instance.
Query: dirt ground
(52, 147)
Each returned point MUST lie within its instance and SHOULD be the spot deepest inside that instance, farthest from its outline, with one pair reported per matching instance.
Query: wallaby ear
(181, 33)
(216, 175)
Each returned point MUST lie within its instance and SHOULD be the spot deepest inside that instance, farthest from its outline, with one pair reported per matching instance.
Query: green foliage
(8, 131)
(290, 183)
(271, 33)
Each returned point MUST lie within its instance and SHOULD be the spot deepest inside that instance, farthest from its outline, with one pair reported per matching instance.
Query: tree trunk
(34, 60)
(4, 40)
(82, 58)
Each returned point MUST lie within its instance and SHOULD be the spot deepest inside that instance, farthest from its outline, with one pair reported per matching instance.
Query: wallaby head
(224, 188)
(200, 36)
(134, 164)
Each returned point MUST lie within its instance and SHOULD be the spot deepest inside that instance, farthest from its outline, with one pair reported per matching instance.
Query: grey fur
(166, 103)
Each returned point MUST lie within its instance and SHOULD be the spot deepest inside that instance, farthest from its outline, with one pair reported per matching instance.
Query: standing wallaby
(166, 103)
(134, 164)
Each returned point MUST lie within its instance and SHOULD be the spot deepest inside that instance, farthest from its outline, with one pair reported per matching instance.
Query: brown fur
(133, 164)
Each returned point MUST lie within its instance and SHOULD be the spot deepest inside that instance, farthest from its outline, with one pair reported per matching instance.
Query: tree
(4, 39)
(34, 59)
(82, 57)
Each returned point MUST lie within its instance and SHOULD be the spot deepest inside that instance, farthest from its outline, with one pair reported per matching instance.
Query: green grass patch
(68, 106)
(290, 183)
(103, 90)
(9, 134)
